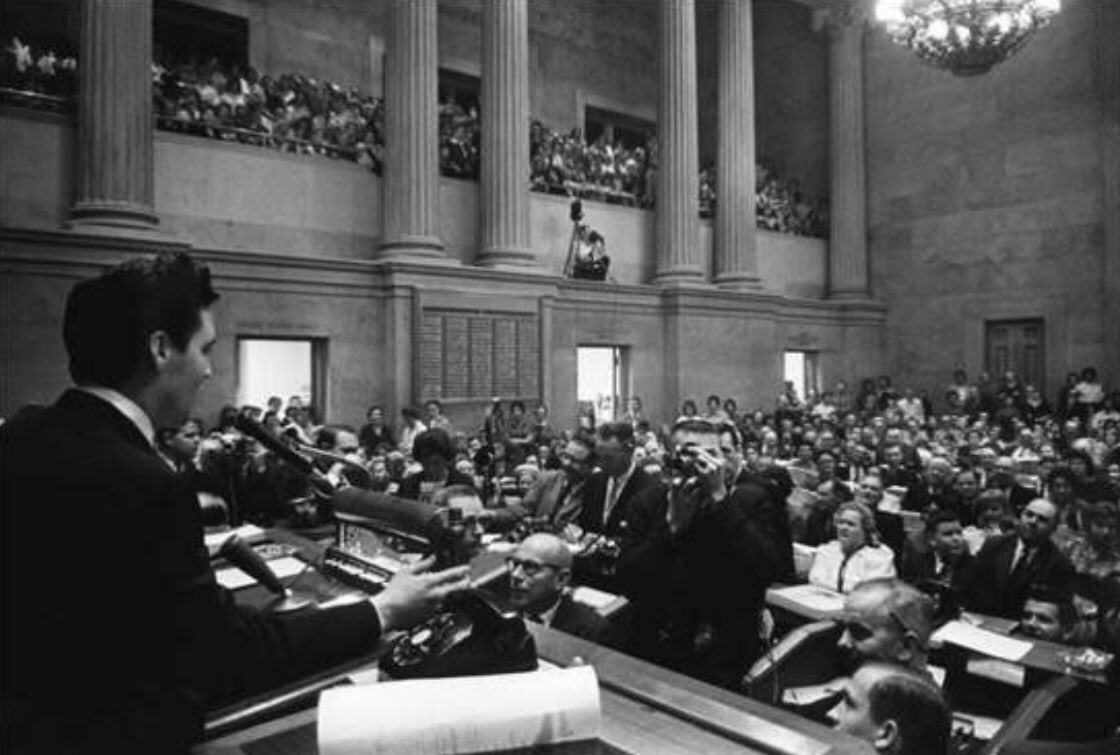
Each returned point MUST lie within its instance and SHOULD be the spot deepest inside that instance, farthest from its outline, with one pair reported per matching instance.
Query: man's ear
(159, 348)
(888, 738)
(563, 578)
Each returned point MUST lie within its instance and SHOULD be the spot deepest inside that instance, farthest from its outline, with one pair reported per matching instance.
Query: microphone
(410, 517)
(266, 438)
(241, 555)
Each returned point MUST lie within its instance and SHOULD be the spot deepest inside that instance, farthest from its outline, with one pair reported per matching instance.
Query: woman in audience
(856, 555)
(688, 410)
(376, 437)
(410, 429)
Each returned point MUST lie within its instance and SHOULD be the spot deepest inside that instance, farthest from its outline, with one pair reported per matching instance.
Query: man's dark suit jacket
(716, 573)
(992, 590)
(595, 496)
(917, 566)
(116, 636)
(581, 621)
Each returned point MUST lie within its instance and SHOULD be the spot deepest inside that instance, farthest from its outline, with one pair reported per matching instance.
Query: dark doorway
(1018, 345)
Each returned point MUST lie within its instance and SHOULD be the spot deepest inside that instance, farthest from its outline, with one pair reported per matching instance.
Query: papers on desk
(461, 715)
(815, 599)
(233, 578)
(982, 641)
(250, 533)
(597, 599)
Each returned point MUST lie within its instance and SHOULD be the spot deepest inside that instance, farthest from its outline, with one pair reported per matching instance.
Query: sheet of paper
(460, 715)
(982, 641)
(1011, 674)
(250, 533)
(233, 578)
(592, 597)
(812, 597)
(983, 727)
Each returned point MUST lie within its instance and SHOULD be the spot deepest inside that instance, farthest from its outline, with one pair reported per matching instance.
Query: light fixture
(965, 37)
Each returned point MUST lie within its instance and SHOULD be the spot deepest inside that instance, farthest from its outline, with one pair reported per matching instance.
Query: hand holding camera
(697, 481)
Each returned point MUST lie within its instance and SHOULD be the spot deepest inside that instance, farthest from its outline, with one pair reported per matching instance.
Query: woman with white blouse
(856, 555)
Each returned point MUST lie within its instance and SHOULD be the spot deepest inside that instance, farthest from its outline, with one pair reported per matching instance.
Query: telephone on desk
(377, 536)
(471, 636)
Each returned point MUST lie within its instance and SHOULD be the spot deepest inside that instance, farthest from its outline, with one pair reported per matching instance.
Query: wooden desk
(807, 602)
(645, 709)
(1043, 655)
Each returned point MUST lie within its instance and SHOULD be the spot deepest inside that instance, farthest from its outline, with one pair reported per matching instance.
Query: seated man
(1007, 566)
(895, 709)
(945, 557)
(540, 573)
(886, 620)
(1048, 616)
(557, 494)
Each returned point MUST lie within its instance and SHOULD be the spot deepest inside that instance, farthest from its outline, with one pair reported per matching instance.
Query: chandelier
(965, 37)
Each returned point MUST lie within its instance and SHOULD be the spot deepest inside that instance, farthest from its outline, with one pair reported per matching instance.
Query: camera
(682, 463)
(576, 211)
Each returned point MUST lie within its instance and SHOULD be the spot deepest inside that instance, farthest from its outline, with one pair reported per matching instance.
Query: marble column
(115, 165)
(736, 238)
(504, 190)
(410, 197)
(847, 248)
(678, 179)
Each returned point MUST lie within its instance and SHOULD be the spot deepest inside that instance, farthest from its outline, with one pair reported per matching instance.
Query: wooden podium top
(646, 709)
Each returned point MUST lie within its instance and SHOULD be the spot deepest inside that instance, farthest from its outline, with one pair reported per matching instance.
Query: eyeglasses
(529, 568)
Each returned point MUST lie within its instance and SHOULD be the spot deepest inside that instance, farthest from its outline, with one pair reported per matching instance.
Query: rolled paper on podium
(462, 715)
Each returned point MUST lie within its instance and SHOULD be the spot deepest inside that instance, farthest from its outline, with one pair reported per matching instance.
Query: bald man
(540, 574)
(897, 710)
(886, 620)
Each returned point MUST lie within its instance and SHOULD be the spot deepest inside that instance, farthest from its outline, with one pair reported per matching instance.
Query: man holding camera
(696, 563)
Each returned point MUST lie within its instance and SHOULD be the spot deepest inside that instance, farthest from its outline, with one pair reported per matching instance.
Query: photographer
(696, 564)
(587, 250)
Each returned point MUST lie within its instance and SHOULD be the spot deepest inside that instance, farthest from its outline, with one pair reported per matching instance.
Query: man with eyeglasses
(540, 573)
(557, 494)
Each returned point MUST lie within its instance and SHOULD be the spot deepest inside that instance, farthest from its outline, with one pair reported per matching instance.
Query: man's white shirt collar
(126, 406)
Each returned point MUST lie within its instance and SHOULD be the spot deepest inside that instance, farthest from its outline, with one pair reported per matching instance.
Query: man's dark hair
(918, 709)
(1067, 613)
(938, 517)
(621, 431)
(435, 403)
(517, 405)
(109, 319)
(434, 441)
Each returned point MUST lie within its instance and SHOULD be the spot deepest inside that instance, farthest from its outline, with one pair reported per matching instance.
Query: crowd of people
(303, 115)
(1003, 498)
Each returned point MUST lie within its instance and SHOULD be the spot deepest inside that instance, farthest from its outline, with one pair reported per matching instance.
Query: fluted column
(847, 249)
(115, 117)
(678, 179)
(505, 134)
(411, 189)
(736, 242)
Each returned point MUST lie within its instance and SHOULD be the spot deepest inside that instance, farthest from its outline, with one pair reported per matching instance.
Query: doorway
(801, 370)
(602, 379)
(280, 367)
(1017, 345)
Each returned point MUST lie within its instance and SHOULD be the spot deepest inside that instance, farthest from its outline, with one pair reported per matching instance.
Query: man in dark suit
(608, 491)
(694, 557)
(540, 573)
(1009, 566)
(944, 557)
(117, 637)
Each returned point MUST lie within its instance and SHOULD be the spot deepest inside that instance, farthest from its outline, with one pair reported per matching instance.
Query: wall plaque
(473, 354)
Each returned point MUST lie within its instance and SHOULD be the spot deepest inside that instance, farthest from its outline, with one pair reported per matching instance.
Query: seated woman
(434, 451)
(856, 555)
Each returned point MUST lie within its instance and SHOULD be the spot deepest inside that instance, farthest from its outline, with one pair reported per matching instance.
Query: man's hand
(412, 595)
(687, 498)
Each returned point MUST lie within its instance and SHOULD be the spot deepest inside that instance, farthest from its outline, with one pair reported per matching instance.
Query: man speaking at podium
(116, 637)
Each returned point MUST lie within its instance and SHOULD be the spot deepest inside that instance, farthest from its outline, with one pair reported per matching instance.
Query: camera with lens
(683, 464)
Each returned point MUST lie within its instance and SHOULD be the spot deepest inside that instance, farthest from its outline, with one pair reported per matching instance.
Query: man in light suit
(130, 661)
(557, 494)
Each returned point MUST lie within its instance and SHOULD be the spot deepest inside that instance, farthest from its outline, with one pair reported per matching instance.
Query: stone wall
(988, 199)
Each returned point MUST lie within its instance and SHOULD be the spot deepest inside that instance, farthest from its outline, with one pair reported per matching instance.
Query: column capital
(846, 15)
